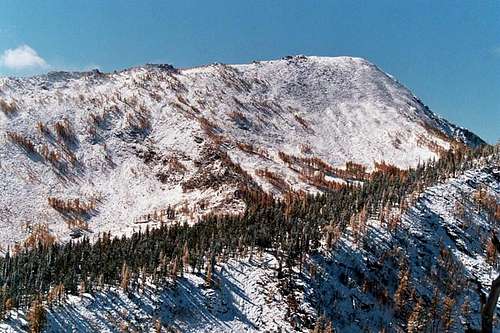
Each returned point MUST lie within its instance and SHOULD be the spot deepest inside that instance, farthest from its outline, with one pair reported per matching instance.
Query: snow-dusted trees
(403, 294)
(488, 310)
(417, 321)
(25, 143)
(64, 131)
(157, 326)
(294, 229)
(8, 108)
(322, 326)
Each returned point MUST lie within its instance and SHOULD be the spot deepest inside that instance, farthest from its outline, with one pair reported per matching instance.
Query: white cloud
(22, 57)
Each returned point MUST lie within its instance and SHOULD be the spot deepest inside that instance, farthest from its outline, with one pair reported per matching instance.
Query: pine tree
(82, 288)
(328, 327)
(125, 277)
(466, 309)
(447, 319)
(173, 269)
(433, 311)
(185, 258)
(7, 306)
(208, 277)
(36, 316)
(157, 325)
(417, 319)
(403, 293)
(318, 327)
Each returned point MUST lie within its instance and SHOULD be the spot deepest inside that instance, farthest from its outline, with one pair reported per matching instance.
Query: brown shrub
(390, 170)
(138, 121)
(22, 142)
(77, 224)
(274, 179)
(176, 165)
(207, 125)
(313, 170)
(39, 234)
(71, 206)
(240, 119)
(52, 157)
(320, 165)
(301, 121)
(43, 129)
(317, 179)
(288, 159)
(64, 131)
(305, 149)
(212, 131)
(95, 119)
(251, 149)
(8, 108)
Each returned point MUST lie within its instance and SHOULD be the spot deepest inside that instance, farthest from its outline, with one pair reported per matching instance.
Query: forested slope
(409, 250)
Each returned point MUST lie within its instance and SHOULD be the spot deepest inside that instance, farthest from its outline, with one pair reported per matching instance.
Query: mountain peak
(193, 136)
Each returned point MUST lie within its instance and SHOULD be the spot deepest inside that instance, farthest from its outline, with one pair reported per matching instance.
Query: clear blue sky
(447, 52)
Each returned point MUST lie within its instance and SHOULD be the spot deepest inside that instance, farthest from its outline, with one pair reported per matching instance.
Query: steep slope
(93, 152)
(441, 241)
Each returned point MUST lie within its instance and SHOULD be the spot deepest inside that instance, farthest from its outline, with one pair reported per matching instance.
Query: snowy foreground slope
(442, 238)
(93, 152)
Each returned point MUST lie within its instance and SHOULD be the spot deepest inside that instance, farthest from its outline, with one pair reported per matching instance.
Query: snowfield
(93, 152)
(248, 297)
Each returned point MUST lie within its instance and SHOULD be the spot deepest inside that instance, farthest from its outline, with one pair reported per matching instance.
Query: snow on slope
(441, 249)
(343, 288)
(149, 138)
(248, 300)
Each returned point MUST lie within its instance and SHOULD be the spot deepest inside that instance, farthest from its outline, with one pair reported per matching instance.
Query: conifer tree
(402, 296)
(208, 276)
(173, 269)
(157, 325)
(125, 277)
(447, 319)
(36, 316)
(185, 257)
(417, 320)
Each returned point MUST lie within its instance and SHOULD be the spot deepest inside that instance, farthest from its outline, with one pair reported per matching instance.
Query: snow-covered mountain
(93, 152)
(443, 236)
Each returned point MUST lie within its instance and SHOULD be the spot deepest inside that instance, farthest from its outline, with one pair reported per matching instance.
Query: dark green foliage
(290, 228)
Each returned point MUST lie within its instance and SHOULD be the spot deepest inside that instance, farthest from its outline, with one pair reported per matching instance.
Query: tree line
(290, 227)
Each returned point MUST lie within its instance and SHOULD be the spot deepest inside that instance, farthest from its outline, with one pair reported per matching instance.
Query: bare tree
(490, 305)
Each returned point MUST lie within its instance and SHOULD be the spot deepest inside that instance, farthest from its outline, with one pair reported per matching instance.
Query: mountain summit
(114, 151)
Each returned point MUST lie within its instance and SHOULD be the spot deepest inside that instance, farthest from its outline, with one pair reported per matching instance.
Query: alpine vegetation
(307, 194)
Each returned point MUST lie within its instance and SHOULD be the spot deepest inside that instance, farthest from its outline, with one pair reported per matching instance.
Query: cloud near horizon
(21, 58)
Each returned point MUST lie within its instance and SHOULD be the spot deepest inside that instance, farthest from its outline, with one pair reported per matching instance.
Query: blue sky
(446, 52)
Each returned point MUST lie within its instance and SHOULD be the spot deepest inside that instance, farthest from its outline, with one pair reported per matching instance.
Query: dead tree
(490, 305)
